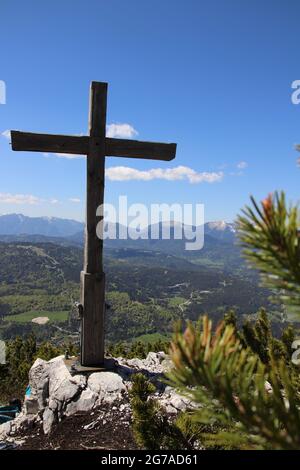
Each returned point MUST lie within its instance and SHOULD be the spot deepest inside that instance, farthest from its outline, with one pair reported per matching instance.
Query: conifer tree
(250, 376)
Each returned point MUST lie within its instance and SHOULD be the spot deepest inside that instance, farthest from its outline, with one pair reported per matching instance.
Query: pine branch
(270, 237)
(211, 367)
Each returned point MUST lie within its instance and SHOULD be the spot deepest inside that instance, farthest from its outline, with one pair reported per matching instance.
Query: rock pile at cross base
(56, 394)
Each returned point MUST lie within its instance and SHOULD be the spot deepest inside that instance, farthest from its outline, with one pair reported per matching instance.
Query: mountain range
(21, 226)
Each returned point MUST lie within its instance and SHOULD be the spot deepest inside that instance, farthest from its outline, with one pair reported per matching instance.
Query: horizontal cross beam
(139, 149)
(31, 142)
(79, 145)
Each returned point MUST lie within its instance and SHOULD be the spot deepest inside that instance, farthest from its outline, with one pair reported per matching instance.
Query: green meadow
(57, 317)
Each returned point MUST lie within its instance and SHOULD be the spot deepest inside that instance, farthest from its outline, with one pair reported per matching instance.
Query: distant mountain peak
(221, 225)
(19, 224)
(221, 230)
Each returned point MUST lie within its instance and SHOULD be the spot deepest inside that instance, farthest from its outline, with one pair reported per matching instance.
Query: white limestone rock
(155, 363)
(109, 386)
(62, 386)
(54, 405)
(58, 375)
(55, 393)
(31, 405)
(79, 380)
(158, 362)
(39, 382)
(135, 363)
(49, 419)
(173, 402)
(5, 429)
(65, 392)
(85, 402)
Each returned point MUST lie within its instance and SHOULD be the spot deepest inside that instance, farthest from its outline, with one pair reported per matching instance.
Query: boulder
(39, 383)
(62, 386)
(85, 402)
(109, 386)
(65, 392)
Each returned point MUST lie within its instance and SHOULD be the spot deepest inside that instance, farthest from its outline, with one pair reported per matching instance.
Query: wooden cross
(96, 146)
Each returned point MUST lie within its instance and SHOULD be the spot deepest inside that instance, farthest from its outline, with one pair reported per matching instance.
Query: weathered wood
(139, 149)
(92, 287)
(95, 175)
(95, 146)
(30, 142)
(79, 145)
(93, 279)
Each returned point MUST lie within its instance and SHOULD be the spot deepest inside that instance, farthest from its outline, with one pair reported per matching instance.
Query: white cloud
(9, 198)
(76, 200)
(122, 131)
(6, 134)
(70, 156)
(25, 199)
(242, 165)
(124, 173)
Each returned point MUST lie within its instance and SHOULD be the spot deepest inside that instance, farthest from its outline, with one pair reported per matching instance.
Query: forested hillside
(147, 291)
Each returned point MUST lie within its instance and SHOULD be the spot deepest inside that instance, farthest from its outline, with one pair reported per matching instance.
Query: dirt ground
(106, 428)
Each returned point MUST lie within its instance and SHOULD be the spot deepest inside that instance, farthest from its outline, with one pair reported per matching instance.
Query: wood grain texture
(92, 326)
(95, 176)
(31, 142)
(139, 149)
(79, 145)
(98, 104)
(93, 279)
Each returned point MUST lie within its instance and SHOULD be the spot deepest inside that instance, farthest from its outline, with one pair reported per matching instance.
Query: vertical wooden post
(92, 276)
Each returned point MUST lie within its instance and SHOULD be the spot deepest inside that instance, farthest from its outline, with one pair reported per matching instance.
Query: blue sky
(214, 76)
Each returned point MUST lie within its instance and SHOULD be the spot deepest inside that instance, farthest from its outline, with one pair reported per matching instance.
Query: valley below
(147, 291)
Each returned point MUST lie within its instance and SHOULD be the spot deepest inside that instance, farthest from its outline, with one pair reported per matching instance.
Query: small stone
(31, 405)
(5, 430)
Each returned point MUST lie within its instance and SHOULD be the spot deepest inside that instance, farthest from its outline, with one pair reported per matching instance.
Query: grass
(206, 262)
(54, 317)
(176, 301)
(152, 338)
